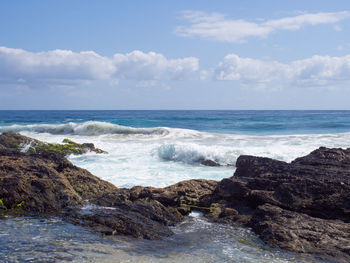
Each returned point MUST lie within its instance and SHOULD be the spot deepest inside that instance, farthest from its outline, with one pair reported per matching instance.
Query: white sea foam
(162, 156)
(25, 147)
(192, 153)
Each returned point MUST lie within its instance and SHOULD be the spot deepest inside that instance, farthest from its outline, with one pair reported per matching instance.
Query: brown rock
(46, 184)
(297, 232)
(210, 163)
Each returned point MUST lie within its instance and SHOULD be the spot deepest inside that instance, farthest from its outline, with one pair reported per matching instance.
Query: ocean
(159, 148)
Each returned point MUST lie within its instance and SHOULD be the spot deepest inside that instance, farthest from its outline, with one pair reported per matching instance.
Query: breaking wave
(89, 128)
(196, 154)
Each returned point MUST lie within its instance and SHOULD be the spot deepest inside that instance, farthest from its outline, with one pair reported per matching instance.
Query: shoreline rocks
(302, 206)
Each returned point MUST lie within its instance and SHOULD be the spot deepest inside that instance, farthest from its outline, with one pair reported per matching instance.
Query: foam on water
(157, 158)
(192, 153)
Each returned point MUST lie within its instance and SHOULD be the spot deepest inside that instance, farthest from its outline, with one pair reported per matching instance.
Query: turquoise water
(236, 122)
(159, 148)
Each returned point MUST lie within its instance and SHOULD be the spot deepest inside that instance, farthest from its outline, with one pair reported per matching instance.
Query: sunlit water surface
(28, 239)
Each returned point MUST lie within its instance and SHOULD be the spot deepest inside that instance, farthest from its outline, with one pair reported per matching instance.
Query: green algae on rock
(17, 142)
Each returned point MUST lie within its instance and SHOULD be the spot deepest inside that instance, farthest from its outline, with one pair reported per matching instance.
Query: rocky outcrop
(302, 206)
(35, 183)
(47, 183)
(42, 184)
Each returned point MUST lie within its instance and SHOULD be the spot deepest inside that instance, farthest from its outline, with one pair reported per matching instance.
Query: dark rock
(148, 220)
(298, 232)
(14, 141)
(46, 184)
(210, 163)
(291, 205)
(310, 185)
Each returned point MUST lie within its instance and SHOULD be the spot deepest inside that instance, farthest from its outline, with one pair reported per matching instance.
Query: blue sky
(174, 54)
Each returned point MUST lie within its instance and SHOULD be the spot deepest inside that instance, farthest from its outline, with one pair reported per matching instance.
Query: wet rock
(180, 198)
(14, 141)
(43, 184)
(298, 232)
(149, 220)
(298, 206)
(210, 163)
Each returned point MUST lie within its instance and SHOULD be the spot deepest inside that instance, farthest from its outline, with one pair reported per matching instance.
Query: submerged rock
(210, 163)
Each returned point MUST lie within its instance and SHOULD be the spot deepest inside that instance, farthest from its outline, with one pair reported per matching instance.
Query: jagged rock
(298, 232)
(46, 183)
(290, 205)
(14, 141)
(180, 198)
(310, 185)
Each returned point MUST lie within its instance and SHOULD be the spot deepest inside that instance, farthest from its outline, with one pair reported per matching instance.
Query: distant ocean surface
(159, 148)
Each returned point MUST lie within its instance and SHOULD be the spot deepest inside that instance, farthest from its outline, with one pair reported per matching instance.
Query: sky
(183, 54)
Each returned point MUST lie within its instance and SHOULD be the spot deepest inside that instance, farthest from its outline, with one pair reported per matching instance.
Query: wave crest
(196, 154)
(89, 128)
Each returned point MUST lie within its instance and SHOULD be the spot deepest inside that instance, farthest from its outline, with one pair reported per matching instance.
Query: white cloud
(147, 66)
(63, 66)
(56, 64)
(310, 72)
(218, 27)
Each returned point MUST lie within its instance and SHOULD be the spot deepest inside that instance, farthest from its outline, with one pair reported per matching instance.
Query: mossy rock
(61, 149)
(68, 147)
(66, 140)
(16, 142)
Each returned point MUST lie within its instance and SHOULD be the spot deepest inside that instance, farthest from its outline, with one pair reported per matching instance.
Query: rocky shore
(302, 206)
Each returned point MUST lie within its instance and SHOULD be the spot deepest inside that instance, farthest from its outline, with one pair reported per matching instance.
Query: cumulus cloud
(143, 66)
(218, 27)
(315, 71)
(62, 66)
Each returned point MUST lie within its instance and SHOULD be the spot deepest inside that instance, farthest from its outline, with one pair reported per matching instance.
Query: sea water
(159, 148)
